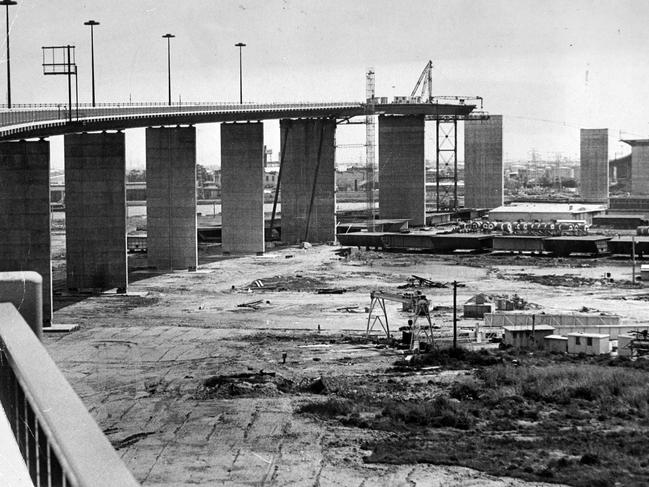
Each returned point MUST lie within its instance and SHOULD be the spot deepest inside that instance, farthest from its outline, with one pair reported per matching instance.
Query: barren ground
(192, 389)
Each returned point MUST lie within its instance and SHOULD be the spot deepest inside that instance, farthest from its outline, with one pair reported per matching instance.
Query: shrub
(437, 413)
(465, 390)
(330, 408)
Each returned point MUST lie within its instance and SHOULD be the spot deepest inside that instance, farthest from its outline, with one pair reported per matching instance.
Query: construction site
(493, 344)
(426, 311)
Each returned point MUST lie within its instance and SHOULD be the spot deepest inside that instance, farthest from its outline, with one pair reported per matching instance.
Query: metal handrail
(58, 119)
(60, 442)
(32, 115)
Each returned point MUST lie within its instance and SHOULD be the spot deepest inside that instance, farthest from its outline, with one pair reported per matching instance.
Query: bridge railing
(60, 443)
(29, 114)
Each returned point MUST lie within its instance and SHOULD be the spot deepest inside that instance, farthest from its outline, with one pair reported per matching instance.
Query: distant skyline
(549, 67)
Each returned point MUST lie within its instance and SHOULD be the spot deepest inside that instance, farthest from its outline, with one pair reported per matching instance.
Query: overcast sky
(550, 67)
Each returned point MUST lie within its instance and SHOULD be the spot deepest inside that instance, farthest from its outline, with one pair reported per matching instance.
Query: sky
(550, 67)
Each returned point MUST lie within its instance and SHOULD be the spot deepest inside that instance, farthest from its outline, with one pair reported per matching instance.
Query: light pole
(169, 37)
(6, 3)
(92, 24)
(240, 45)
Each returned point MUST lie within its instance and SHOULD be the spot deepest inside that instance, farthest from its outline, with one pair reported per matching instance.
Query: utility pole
(169, 37)
(7, 3)
(240, 45)
(633, 257)
(454, 315)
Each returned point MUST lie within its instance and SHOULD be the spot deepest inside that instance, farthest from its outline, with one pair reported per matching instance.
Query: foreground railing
(60, 442)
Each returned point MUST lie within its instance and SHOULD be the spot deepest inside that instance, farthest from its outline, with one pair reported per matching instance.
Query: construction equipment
(639, 346)
(426, 82)
(416, 303)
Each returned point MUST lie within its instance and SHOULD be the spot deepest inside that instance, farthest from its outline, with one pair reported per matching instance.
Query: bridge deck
(29, 121)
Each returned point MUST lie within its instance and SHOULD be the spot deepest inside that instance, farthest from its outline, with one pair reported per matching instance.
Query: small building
(477, 306)
(527, 337)
(555, 343)
(588, 343)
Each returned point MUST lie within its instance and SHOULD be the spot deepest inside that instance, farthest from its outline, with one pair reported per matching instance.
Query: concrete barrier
(24, 289)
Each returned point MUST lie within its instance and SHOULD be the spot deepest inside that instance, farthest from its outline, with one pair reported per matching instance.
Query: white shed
(588, 343)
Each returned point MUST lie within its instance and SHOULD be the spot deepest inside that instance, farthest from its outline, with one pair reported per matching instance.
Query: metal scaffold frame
(420, 309)
(446, 155)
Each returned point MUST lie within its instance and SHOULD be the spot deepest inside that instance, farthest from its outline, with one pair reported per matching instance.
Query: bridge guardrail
(16, 121)
(31, 114)
(59, 441)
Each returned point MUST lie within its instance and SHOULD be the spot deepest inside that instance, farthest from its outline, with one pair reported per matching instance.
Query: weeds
(330, 408)
(539, 417)
(439, 413)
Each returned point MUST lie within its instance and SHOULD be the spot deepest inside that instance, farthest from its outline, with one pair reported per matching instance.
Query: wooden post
(454, 315)
(633, 258)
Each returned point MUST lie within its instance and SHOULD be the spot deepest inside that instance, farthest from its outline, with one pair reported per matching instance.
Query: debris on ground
(343, 252)
(331, 291)
(252, 304)
(245, 384)
(352, 309)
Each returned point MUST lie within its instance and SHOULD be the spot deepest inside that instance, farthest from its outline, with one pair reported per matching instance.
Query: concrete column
(593, 164)
(242, 187)
(483, 163)
(171, 197)
(25, 213)
(95, 211)
(402, 168)
(639, 167)
(308, 180)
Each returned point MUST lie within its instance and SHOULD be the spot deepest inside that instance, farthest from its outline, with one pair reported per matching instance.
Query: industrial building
(547, 212)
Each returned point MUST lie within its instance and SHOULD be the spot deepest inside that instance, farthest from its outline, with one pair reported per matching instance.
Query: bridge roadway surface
(37, 121)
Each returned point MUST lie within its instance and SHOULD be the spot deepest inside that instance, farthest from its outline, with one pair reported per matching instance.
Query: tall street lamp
(92, 24)
(240, 45)
(169, 37)
(6, 3)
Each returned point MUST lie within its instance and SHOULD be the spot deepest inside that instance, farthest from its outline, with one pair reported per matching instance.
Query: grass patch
(581, 421)
(608, 388)
(438, 413)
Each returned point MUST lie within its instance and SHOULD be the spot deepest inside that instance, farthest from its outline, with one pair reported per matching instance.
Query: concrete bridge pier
(483, 163)
(308, 180)
(25, 213)
(402, 168)
(95, 211)
(171, 197)
(242, 183)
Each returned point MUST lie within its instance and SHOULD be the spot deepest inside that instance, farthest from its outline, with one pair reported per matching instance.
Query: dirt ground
(197, 377)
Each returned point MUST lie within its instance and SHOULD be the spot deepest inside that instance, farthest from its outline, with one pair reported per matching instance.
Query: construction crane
(416, 303)
(424, 90)
(426, 82)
